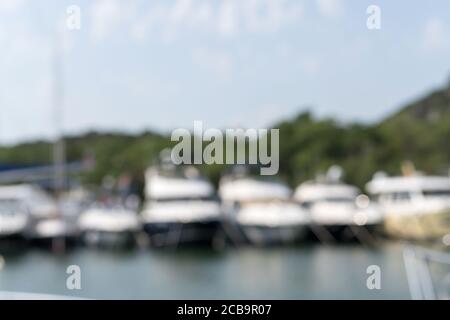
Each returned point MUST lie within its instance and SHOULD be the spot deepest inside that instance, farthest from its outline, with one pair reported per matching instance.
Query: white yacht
(336, 208)
(109, 226)
(262, 210)
(54, 233)
(44, 220)
(415, 206)
(13, 219)
(38, 203)
(75, 201)
(180, 207)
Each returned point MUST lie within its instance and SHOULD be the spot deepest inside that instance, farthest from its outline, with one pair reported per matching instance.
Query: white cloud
(270, 15)
(254, 16)
(330, 8)
(225, 18)
(18, 41)
(105, 16)
(202, 15)
(228, 18)
(167, 21)
(435, 35)
(11, 5)
(143, 25)
(181, 11)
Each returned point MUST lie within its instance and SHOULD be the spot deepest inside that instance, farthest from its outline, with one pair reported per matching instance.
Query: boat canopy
(108, 219)
(184, 211)
(26, 193)
(160, 187)
(314, 191)
(381, 185)
(274, 214)
(20, 191)
(249, 189)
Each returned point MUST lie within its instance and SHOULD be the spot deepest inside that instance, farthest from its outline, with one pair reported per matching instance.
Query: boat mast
(59, 152)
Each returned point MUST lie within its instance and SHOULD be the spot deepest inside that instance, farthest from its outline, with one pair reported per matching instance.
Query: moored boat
(109, 226)
(181, 207)
(415, 206)
(338, 210)
(45, 225)
(13, 220)
(262, 211)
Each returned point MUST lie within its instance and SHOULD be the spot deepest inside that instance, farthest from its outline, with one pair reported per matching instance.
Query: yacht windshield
(9, 207)
(331, 200)
(339, 200)
(185, 199)
(437, 193)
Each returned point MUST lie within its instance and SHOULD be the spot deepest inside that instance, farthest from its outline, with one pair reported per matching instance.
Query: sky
(135, 65)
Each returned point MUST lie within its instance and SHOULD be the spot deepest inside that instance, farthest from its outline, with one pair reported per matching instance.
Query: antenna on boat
(59, 153)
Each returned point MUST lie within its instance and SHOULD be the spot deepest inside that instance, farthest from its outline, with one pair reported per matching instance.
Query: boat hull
(11, 242)
(279, 235)
(173, 234)
(430, 226)
(345, 233)
(60, 243)
(108, 239)
(11, 236)
(51, 234)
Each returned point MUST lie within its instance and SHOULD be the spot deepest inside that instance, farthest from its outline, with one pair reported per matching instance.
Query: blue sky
(159, 65)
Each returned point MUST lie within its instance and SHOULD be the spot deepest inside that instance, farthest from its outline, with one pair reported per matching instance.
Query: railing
(423, 284)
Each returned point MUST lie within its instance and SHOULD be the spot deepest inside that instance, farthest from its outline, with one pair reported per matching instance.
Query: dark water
(309, 272)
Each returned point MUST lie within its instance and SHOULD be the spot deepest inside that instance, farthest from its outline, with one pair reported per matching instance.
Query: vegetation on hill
(420, 132)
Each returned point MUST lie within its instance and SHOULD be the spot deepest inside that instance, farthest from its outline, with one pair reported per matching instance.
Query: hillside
(430, 108)
(418, 132)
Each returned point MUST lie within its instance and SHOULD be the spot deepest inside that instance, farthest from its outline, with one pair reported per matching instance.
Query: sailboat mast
(59, 152)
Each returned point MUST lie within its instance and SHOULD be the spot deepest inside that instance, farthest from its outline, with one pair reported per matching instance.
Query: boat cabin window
(401, 196)
(9, 207)
(309, 203)
(185, 199)
(437, 193)
(339, 200)
(393, 197)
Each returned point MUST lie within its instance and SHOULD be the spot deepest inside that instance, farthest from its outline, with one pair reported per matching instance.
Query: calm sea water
(309, 272)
